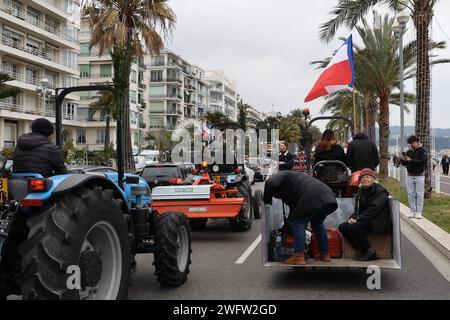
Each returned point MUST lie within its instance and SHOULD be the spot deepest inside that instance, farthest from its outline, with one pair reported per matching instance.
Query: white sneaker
(418, 216)
(412, 215)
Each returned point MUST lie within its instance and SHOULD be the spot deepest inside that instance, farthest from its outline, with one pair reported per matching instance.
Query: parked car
(249, 172)
(151, 156)
(164, 174)
(263, 168)
(139, 163)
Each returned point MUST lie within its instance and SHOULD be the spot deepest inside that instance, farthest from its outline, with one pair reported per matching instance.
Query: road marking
(249, 250)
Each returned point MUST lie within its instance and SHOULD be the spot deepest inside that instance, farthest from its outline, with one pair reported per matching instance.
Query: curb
(435, 235)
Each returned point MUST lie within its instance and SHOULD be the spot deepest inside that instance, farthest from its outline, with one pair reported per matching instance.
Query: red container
(334, 244)
(354, 180)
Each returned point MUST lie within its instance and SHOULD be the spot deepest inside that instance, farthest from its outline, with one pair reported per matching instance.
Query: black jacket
(418, 161)
(303, 194)
(362, 153)
(288, 160)
(335, 153)
(36, 154)
(374, 209)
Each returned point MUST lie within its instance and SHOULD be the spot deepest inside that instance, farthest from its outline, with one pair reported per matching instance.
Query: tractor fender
(74, 181)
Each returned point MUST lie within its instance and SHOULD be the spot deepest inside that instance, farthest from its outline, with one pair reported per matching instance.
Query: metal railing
(11, 42)
(142, 86)
(23, 15)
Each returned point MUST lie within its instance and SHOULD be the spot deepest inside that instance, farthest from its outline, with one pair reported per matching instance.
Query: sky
(266, 47)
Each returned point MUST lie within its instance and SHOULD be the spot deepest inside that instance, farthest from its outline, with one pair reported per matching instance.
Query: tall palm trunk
(366, 117)
(372, 112)
(384, 134)
(107, 135)
(122, 58)
(422, 21)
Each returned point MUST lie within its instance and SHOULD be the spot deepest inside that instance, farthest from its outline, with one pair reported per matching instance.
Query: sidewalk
(435, 235)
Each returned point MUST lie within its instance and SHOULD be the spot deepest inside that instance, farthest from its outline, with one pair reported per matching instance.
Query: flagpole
(354, 111)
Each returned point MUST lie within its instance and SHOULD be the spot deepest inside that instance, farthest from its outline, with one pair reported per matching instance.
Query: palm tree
(104, 105)
(7, 91)
(350, 12)
(122, 27)
(161, 139)
(289, 131)
(242, 117)
(215, 117)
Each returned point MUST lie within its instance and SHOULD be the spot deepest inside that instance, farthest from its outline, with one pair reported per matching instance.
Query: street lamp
(44, 92)
(398, 28)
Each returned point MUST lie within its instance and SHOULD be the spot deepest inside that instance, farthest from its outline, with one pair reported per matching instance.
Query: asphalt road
(215, 275)
(445, 183)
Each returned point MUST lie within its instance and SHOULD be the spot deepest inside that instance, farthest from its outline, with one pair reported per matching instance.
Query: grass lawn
(436, 209)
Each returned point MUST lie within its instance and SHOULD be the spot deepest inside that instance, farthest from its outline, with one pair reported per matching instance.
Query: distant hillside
(409, 130)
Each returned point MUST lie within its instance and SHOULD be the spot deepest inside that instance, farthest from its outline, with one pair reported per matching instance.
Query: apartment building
(178, 91)
(39, 47)
(222, 94)
(95, 70)
(254, 116)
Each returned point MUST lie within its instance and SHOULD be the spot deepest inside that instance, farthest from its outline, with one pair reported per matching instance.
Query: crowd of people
(311, 201)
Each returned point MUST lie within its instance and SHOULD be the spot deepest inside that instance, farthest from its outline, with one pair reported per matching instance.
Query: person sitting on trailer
(35, 153)
(310, 201)
(371, 215)
(329, 148)
(362, 153)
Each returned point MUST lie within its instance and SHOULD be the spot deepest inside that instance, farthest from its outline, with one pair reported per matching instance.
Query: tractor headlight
(215, 168)
(2, 161)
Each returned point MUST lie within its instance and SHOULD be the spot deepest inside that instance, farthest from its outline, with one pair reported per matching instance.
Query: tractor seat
(332, 172)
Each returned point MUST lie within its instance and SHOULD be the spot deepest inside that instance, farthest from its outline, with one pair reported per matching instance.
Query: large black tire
(257, 204)
(244, 220)
(58, 238)
(172, 256)
(198, 224)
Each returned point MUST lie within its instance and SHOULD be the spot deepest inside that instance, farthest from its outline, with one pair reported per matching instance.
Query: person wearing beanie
(372, 215)
(35, 153)
(362, 153)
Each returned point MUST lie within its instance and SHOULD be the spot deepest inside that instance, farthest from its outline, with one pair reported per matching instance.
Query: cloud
(266, 46)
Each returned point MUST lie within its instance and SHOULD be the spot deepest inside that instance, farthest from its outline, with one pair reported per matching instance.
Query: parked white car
(151, 156)
(139, 163)
(249, 172)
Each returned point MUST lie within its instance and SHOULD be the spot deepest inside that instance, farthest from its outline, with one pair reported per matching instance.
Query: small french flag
(338, 75)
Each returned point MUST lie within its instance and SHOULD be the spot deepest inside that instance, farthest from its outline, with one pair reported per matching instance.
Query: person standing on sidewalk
(445, 162)
(415, 160)
(286, 159)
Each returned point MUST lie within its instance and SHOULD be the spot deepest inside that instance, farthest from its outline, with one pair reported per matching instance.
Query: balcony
(95, 75)
(142, 125)
(13, 43)
(142, 66)
(174, 80)
(23, 15)
(142, 86)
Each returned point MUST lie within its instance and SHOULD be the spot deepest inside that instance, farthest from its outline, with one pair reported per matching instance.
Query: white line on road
(249, 250)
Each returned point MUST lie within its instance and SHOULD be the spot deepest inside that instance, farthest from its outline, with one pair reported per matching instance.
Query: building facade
(98, 69)
(39, 48)
(222, 94)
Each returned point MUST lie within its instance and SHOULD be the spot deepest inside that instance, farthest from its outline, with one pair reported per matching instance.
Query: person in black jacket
(415, 160)
(35, 153)
(371, 216)
(309, 201)
(329, 148)
(362, 153)
(285, 158)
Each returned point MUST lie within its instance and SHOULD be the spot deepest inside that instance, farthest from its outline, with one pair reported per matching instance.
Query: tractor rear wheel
(198, 224)
(78, 247)
(172, 255)
(244, 220)
(257, 204)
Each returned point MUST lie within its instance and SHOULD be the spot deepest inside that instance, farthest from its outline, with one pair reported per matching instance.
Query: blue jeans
(299, 227)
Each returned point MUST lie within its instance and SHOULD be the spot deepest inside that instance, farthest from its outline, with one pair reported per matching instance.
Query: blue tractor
(74, 236)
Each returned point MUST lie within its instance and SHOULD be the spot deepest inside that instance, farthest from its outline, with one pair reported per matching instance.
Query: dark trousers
(356, 235)
(445, 169)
